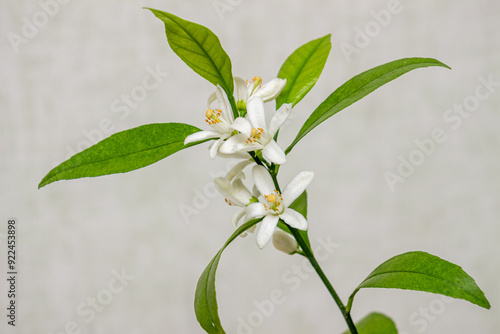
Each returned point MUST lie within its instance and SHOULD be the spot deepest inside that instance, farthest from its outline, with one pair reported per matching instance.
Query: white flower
(255, 135)
(219, 119)
(267, 92)
(236, 193)
(277, 205)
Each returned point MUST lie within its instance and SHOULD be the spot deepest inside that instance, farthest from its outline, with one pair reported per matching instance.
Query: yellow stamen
(258, 80)
(254, 135)
(274, 201)
(213, 116)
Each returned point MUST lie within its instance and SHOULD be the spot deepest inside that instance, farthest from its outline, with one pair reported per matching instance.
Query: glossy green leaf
(421, 271)
(205, 302)
(358, 87)
(124, 151)
(299, 205)
(375, 323)
(199, 48)
(302, 69)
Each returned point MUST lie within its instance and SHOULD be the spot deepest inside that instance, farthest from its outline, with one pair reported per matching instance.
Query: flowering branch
(239, 130)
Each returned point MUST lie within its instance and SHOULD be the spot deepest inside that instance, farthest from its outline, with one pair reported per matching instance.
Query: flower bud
(284, 242)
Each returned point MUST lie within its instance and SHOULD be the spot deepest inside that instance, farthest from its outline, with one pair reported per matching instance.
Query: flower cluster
(252, 140)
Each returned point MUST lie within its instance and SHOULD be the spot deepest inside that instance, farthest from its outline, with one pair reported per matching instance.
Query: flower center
(272, 198)
(255, 135)
(213, 116)
(274, 201)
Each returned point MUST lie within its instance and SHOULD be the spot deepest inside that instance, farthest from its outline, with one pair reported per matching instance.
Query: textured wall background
(61, 88)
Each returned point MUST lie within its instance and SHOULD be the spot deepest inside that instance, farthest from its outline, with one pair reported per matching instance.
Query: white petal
(255, 191)
(211, 99)
(223, 128)
(263, 180)
(271, 90)
(201, 135)
(215, 147)
(223, 186)
(294, 219)
(274, 153)
(256, 113)
(266, 230)
(240, 176)
(238, 143)
(279, 118)
(252, 87)
(255, 210)
(241, 87)
(225, 106)
(240, 193)
(233, 144)
(242, 125)
(237, 155)
(237, 216)
(236, 192)
(296, 187)
(237, 169)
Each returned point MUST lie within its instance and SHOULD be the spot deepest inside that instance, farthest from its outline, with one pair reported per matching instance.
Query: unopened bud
(284, 242)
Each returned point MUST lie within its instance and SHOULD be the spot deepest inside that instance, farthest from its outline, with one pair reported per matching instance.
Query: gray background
(62, 83)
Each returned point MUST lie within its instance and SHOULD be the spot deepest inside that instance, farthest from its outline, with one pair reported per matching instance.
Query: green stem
(232, 102)
(349, 303)
(256, 158)
(310, 256)
(307, 252)
(274, 175)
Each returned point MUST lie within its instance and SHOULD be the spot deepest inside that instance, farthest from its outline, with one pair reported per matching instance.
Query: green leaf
(358, 87)
(302, 69)
(421, 271)
(299, 205)
(375, 323)
(205, 302)
(199, 48)
(124, 151)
